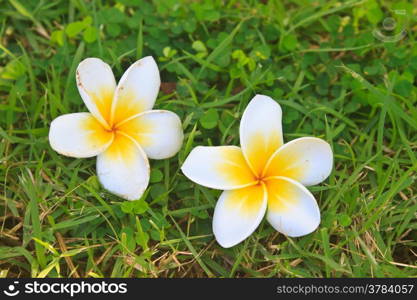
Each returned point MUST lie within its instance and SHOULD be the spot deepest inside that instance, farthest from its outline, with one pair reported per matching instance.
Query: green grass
(318, 59)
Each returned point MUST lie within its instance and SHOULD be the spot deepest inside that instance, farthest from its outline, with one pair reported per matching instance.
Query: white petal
(260, 131)
(222, 167)
(123, 168)
(238, 213)
(307, 160)
(137, 89)
(96, 84)
(292, 209)
(78, 135)
(158, 132)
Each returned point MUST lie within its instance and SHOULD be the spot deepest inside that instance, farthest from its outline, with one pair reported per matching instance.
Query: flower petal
(292, 209)
(221, 167)
(137, 90)
(123, 168)
(96, 84)
(78, 135)
(260, 131)
(307, 160)
(158, 132)
(238, 213)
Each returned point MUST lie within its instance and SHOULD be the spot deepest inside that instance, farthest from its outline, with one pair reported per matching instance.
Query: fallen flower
(120, 129)
(263, 176)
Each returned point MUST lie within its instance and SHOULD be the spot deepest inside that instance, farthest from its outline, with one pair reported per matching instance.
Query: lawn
(342, 71)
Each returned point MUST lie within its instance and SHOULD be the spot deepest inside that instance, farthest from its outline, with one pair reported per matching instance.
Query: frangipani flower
(120, 129)
(264, 176)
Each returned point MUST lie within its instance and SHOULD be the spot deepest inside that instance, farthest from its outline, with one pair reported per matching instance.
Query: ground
(343, 71)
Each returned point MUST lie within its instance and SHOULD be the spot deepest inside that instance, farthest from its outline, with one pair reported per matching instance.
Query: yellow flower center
(113, 128)
(261, 176)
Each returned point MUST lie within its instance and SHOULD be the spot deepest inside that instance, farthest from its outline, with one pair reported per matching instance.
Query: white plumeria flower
(120, 129)
(264, 176)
